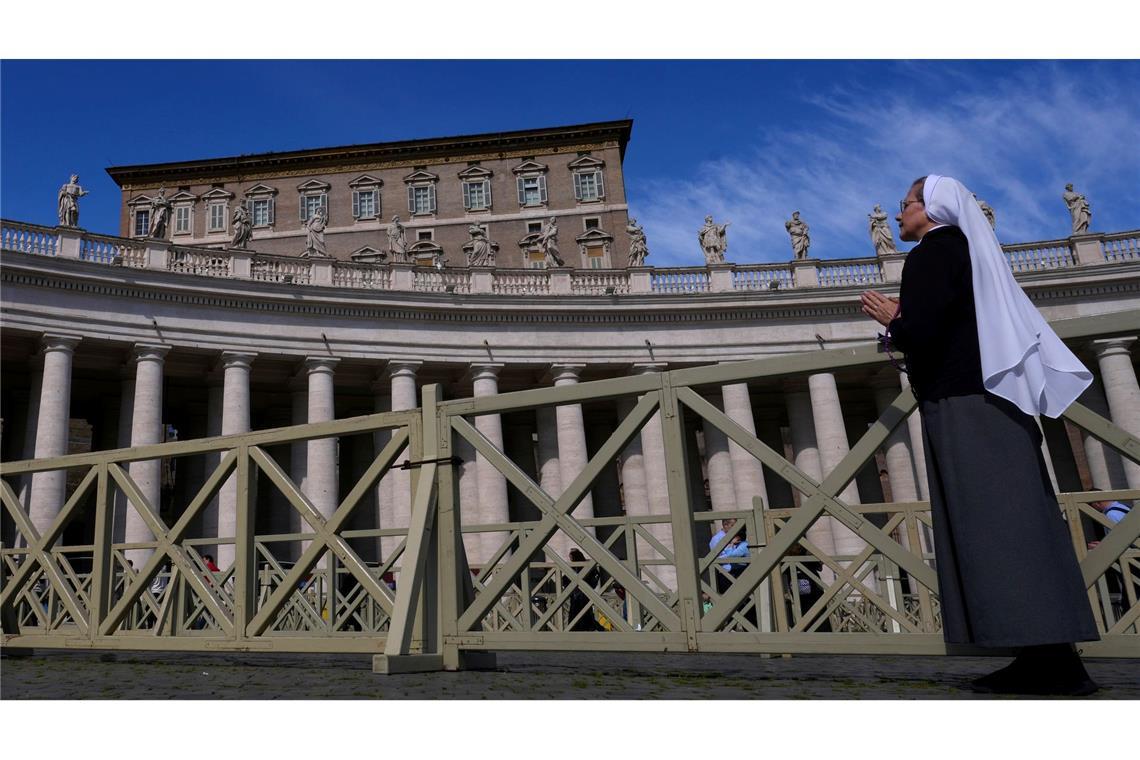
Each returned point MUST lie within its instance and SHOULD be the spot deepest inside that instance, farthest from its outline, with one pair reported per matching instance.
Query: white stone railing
(761, 277)
(71, 243)
(199, 261)
(441, 280)
(1121, 246)
(679, 280)
(1033, 257)
(351, 274)
(596, 282)
(28, 238)
(280, 269)
(112, 250)
(521, 282)
(861, 272)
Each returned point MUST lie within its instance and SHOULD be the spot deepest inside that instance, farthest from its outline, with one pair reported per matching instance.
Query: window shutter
(466, 195)
(302, 205)
(577, 186)
(487, 193)
(272, 204)
(411, 200)
(431, 198)
(542, 188)
(601, 186)
(325, 204)
(355, 204)
(522, 192)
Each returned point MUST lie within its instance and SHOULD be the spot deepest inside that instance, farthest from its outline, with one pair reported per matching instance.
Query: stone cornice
(254, 296)
(489, 146)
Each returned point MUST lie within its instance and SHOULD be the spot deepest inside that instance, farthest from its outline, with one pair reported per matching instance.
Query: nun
(983, 363)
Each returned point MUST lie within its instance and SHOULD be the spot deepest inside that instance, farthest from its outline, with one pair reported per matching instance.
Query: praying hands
(879, 307)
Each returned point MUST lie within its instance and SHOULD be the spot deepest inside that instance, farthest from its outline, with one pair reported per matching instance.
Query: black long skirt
(1007, 572)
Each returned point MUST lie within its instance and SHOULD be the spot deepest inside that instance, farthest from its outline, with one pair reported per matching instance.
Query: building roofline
(427, 149)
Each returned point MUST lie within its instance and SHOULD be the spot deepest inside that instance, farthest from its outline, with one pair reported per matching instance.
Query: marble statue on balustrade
(987, 211)
(159, 215)
(243, 228)
(548, 243)
(397, 242)
(638, 247)
(480, 252)
(798, 230)
(714, 240)
(881, 236)
(315, 236)
(1078, 209)
(68, 202)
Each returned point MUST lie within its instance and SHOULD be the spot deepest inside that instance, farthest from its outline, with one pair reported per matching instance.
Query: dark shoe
(1063, 676)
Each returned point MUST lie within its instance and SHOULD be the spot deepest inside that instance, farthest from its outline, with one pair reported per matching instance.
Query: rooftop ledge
(1077, 252)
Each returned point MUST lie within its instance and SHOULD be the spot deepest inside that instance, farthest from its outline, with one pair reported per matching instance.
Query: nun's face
(912, 218)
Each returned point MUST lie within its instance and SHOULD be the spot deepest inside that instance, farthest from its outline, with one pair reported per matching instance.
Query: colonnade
(550, 444)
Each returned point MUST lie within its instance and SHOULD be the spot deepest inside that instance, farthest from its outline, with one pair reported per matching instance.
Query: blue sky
(748, 141)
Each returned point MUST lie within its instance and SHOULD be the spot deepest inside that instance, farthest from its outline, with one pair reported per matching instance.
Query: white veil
(1023, 360)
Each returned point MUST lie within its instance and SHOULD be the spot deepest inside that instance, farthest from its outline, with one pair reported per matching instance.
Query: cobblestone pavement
(518, 675)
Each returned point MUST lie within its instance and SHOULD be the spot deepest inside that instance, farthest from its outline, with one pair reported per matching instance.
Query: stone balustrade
(1077, 251)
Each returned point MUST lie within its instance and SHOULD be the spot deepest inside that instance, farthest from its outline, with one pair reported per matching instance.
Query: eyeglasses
(904, 204)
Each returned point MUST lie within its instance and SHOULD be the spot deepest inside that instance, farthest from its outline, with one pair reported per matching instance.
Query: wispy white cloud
(1015, 138)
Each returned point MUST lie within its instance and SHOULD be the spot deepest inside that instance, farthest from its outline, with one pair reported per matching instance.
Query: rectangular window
(536, 260)
(260, 212)
(142, 223)
(217, 217)
(423, 235)
(592, 223)
(477, 195)
(588, 186)
(533, 227)
(182, 219)
(532, 191)
(596, 258)
(421, 199)
(310, 204)
(364, 204)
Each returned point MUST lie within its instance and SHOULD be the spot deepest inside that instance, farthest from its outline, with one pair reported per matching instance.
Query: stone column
(405, 396)
(656, 482)
(550, 468)
(1106, 466)
(1122, 391)
(235, 420)
(572, 453)
(146, 429)
(805, 452)
(468, 475)
(298, 457)
(52, 421)
(718, 461)
(492, 504)
(896, 450)
(214, 403)
(917, 448)
(322, 479)
(747, 472)
(635, 494)
(831, 435)
(385, 493)
(31, 421)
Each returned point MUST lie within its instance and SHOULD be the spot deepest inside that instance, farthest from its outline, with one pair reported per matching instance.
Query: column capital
(153, 352)
(57, 342)
(404, 368)
(317, 364)
(484, 370)
(241, 359)
(1112, 346)
(566, 373)
(646, 368)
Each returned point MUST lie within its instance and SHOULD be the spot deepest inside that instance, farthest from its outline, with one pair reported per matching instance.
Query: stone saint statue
(397, 242)
(315, 235)
(881, 236)
(638, 247)
(243, 229)
(481, 253)
(548, 242)
(1078, 209)
(798, 229)
(714, 240)
(159, 215)
(68, 201)
(988, 211)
